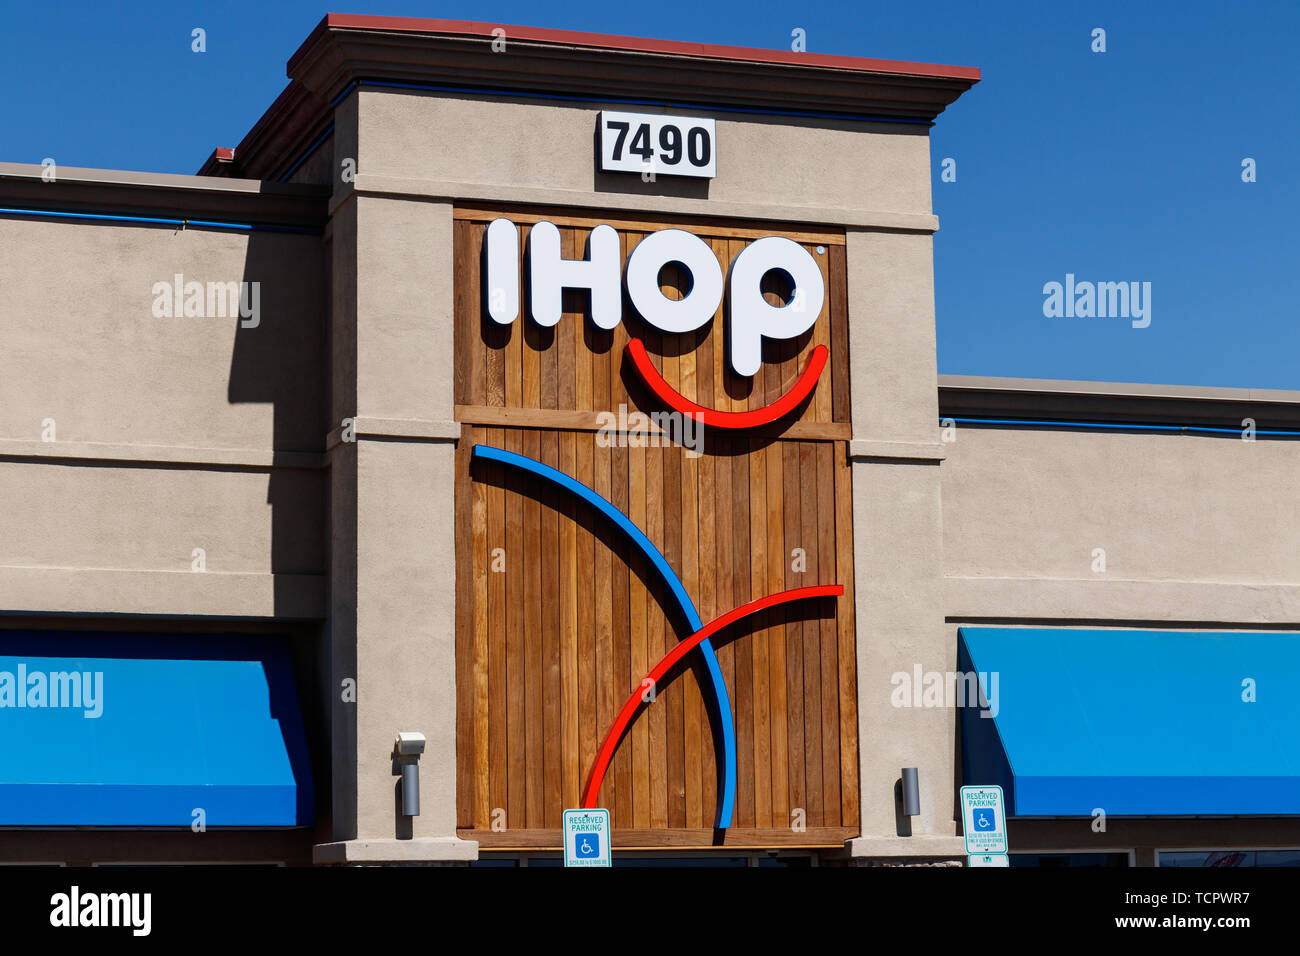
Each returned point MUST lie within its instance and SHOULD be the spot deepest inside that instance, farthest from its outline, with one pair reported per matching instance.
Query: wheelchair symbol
(983, 820)
(586, 845)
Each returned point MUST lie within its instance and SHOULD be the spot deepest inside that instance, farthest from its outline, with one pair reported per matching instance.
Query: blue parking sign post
(586, 838)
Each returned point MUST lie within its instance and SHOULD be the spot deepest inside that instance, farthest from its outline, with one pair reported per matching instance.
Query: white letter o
(697, 306)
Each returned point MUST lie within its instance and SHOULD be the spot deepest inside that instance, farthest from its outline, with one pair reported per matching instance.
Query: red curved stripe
(718, 419)
(606, 754)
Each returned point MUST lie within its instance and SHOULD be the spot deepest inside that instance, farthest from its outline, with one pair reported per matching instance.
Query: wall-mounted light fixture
(911, 793)
(407, 750)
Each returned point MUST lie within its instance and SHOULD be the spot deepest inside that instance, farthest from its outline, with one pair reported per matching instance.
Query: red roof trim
(632, 44)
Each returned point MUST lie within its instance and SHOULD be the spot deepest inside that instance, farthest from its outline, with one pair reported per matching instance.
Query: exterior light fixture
(407, 750)
(911, 793)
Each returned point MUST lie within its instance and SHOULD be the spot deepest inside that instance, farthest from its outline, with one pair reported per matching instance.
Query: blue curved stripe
(675, 587)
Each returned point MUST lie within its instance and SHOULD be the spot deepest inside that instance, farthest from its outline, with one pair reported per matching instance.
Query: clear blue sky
(1115, 166)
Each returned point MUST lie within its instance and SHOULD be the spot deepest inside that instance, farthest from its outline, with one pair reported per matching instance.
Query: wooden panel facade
(557, 622)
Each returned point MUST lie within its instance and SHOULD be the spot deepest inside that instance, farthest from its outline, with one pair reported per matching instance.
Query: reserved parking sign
(984, 820)
(586, 838)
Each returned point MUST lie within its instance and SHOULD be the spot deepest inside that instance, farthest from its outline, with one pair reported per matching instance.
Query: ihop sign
(750, 318)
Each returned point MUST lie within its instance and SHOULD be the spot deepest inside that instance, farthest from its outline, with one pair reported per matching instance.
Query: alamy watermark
(212, 300)
(1101, 300)
(71, 689)
(946, 689)
(74, 908)
(658, 429)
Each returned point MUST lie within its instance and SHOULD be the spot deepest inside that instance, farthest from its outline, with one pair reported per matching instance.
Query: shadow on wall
(281, 358)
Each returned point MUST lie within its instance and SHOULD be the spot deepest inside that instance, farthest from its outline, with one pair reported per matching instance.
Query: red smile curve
(719, 419)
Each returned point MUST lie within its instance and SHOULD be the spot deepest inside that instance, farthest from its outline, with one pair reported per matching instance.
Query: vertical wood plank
(811, 637)
(640, 664)
(570, 771)
(735, 390)
(724, 583)
(697, 737)
(582, 394)
(567, 336)
(618, 337)
(462, 316)
(465, 612)
(847, 656)
(828, 641)
(605, 690)
(762, 703)
(498, 611)
(778, 561)
(531, 367)
(708, 571)
(517, 634)
(622, 686)
(534, 638)
(839, 363)
(480, 550)
(717, 335)
(512, 356)
(821, 400)
(477, 353)
(550, 557)
(673, 697)
(657, 630)
(793, 635)
(696, 720)
(494, 385)
(588, 627)
(742, 644)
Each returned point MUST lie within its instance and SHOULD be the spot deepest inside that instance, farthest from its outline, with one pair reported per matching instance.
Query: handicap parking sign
(586, 837)
(984, 821)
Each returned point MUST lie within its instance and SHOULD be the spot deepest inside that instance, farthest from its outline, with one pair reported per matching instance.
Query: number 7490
(659, 144)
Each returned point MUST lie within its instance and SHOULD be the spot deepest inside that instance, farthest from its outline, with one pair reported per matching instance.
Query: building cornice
(345, 51)
(962, 396)
(93, 192)
(452, 53)
(296, 119)
(605, 41)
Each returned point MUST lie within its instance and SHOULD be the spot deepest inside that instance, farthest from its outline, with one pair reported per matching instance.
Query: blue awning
(112, 729)
(1136, 723)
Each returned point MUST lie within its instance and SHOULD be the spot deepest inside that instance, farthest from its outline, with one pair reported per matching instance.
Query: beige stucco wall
(1165, 507)
(393, 565)
(169, 434)
(495, 146)
(898, 540)
(78, 515)
(83, 347)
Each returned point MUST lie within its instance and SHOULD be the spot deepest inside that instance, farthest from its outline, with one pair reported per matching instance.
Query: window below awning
(112, 729)
(1134, 722)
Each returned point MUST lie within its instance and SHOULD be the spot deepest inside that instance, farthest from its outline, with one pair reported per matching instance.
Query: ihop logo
(750, 318)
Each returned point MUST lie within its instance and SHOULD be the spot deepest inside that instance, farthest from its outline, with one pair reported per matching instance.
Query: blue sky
(1115, 166)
